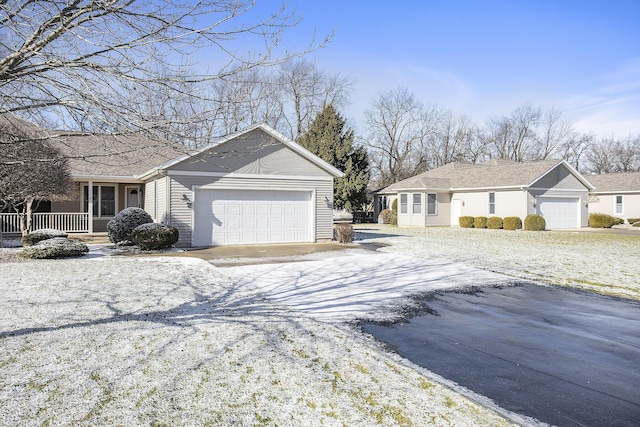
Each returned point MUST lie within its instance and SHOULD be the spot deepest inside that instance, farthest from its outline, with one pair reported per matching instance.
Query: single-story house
(551, 188)
(616, 194)
(253, 186)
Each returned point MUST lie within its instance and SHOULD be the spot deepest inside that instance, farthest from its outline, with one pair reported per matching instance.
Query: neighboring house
(254, 186)
(551, 188)
(616, 194)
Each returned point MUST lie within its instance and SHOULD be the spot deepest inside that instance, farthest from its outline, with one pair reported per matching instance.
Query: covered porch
(74, 215)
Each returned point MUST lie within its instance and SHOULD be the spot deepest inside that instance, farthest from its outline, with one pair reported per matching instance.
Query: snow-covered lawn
(600, 262)
(174, 341)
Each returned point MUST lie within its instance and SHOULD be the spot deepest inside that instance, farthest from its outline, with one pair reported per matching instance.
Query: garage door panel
(559, 212)
(245, 216)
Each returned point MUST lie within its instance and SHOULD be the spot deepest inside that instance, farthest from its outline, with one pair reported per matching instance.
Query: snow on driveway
(357, 286)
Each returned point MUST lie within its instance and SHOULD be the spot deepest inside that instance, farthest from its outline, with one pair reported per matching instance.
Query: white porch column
(90, 206)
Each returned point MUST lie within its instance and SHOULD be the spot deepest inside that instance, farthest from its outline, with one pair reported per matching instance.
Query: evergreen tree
(329, 139)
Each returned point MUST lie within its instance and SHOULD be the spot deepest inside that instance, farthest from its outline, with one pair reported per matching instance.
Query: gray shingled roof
(621, 182)
(491, 174)
(114, 155)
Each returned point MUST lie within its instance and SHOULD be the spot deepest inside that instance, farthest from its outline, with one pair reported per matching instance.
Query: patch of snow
(357, 286)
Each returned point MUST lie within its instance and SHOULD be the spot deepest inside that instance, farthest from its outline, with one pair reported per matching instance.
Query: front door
(133, 197)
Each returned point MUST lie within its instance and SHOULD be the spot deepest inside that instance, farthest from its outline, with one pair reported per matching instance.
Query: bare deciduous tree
(398, 125)
(304, 91)
(76, 63)
(30, 169)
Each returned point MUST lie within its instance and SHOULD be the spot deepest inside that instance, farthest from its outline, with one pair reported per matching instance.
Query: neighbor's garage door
(230, 217)
(559, 212)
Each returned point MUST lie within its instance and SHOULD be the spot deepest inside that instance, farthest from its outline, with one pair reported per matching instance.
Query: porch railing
(73, 222)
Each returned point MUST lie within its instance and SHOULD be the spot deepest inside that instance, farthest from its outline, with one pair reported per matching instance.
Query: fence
(74, 222)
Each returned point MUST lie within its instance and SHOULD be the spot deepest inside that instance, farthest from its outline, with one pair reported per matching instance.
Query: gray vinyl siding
(561, 178)
(257, 153)
(155, 199)
(66, 206)
(181, 215)
(150, 199)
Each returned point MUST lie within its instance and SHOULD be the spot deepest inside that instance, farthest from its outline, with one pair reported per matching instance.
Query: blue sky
(485, 58)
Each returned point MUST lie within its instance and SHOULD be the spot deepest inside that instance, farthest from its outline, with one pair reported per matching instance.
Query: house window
(417, 203)
(104, 200)
(619, 205)
(403, 203)
(492, 203)
(432, 204)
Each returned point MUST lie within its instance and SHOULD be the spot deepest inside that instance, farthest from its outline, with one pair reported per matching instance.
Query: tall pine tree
(329, 139)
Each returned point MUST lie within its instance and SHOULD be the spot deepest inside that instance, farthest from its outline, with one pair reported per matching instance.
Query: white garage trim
(559, 211)
(228, 216)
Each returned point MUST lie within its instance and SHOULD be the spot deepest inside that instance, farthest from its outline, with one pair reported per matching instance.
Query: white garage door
(559, 212)
(234, 217)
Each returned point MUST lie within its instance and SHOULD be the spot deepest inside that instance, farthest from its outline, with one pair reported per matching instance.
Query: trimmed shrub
(37, 236)
(58, 247)
(636, 224)
(512, 223)
(599, 220)
(343, 232)
(120, 227)
(480, 222)
(386, 216)
(153, 236)
(466, 221)
(394, 212)
(618, 221)
(632, 221)
(494, 223)
(534, 222)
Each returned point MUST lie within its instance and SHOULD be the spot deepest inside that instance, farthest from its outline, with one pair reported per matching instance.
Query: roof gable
(241, 150)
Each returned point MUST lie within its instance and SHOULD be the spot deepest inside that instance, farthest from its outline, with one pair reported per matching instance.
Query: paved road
(564, 357)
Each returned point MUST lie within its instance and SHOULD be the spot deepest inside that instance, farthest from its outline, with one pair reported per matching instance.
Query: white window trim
(427, 204)
(414, 204)
(405, 204)
(615, 204)
(89, 204)
(492, 204)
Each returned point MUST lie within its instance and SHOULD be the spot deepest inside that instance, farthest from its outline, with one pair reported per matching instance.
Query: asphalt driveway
(564, 357)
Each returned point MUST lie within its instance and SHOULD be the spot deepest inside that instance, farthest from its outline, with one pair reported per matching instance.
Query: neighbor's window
(492, 203)
(619, 205)
(403, 203)
(432, 204)
(417, 203)
(104, 200)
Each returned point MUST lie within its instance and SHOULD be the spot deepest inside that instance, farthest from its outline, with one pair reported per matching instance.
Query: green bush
(466, 221)
(494, 223)
(480, 222)
(153, 236)
(534, 222)
(632, 221)
(344, 232)
(512, 223)
(636, 224)
(393, 219)
(599, 220)
(57, 247)
(37, 236)
(119, 228)
(388, 217)
(618, 221)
